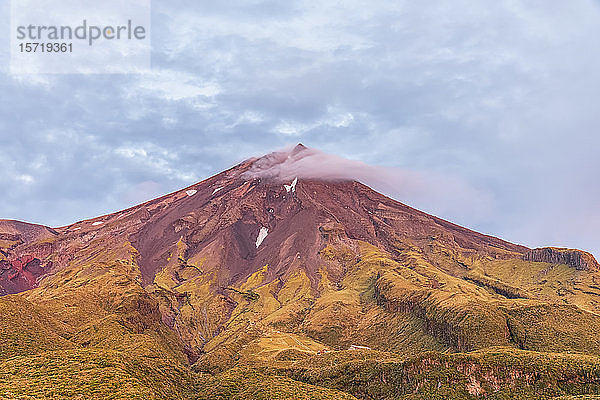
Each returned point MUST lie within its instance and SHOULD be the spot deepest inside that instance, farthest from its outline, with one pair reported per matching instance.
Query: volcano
(268, 280)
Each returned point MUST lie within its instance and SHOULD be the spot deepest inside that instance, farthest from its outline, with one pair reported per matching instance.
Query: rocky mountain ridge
(578, 259)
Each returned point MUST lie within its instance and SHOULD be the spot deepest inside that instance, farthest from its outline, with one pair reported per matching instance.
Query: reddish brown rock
(21, 267)
(577, 259)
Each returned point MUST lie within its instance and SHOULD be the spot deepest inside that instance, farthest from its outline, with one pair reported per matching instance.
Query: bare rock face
(21, 274)
(22, 270)
(578, 259)
(22, 232)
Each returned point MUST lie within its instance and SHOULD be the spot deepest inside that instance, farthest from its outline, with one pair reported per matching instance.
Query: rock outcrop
(23, 246)
(578, 259)
(21, 274)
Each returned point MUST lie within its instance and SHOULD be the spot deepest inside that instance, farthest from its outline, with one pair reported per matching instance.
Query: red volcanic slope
(20, 271)
(221, 217)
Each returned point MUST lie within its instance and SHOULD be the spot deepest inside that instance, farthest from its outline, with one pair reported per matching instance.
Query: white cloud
(25, 178)
(172, 86)
(131, 152)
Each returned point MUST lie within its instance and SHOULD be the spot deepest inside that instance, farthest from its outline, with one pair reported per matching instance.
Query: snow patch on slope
(97, 223)
(191, 192)
(291, 187)
(261, 236)
(216, 190)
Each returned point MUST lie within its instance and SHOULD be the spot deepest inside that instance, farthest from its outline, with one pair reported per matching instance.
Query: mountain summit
(284, 262)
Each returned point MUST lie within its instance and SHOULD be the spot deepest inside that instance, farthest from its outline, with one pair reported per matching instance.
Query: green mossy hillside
(495, 373)
(93, 374)
(246, 383)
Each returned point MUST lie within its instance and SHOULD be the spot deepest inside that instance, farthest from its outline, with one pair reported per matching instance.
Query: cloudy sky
(485, 113)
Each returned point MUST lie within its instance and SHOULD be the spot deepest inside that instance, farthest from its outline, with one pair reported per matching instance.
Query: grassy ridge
(93, 374)
(497, 373)
(246, 383)
(95, 336)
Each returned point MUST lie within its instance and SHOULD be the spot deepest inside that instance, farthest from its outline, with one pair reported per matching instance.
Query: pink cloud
(443, 195)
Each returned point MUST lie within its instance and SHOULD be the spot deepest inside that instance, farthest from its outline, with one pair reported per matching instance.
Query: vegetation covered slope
(497, 373)
(100, 339)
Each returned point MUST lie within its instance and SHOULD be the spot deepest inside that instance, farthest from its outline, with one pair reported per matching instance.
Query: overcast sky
(494, 104)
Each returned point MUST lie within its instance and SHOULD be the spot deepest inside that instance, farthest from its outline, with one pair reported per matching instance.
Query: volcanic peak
(299, 162)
